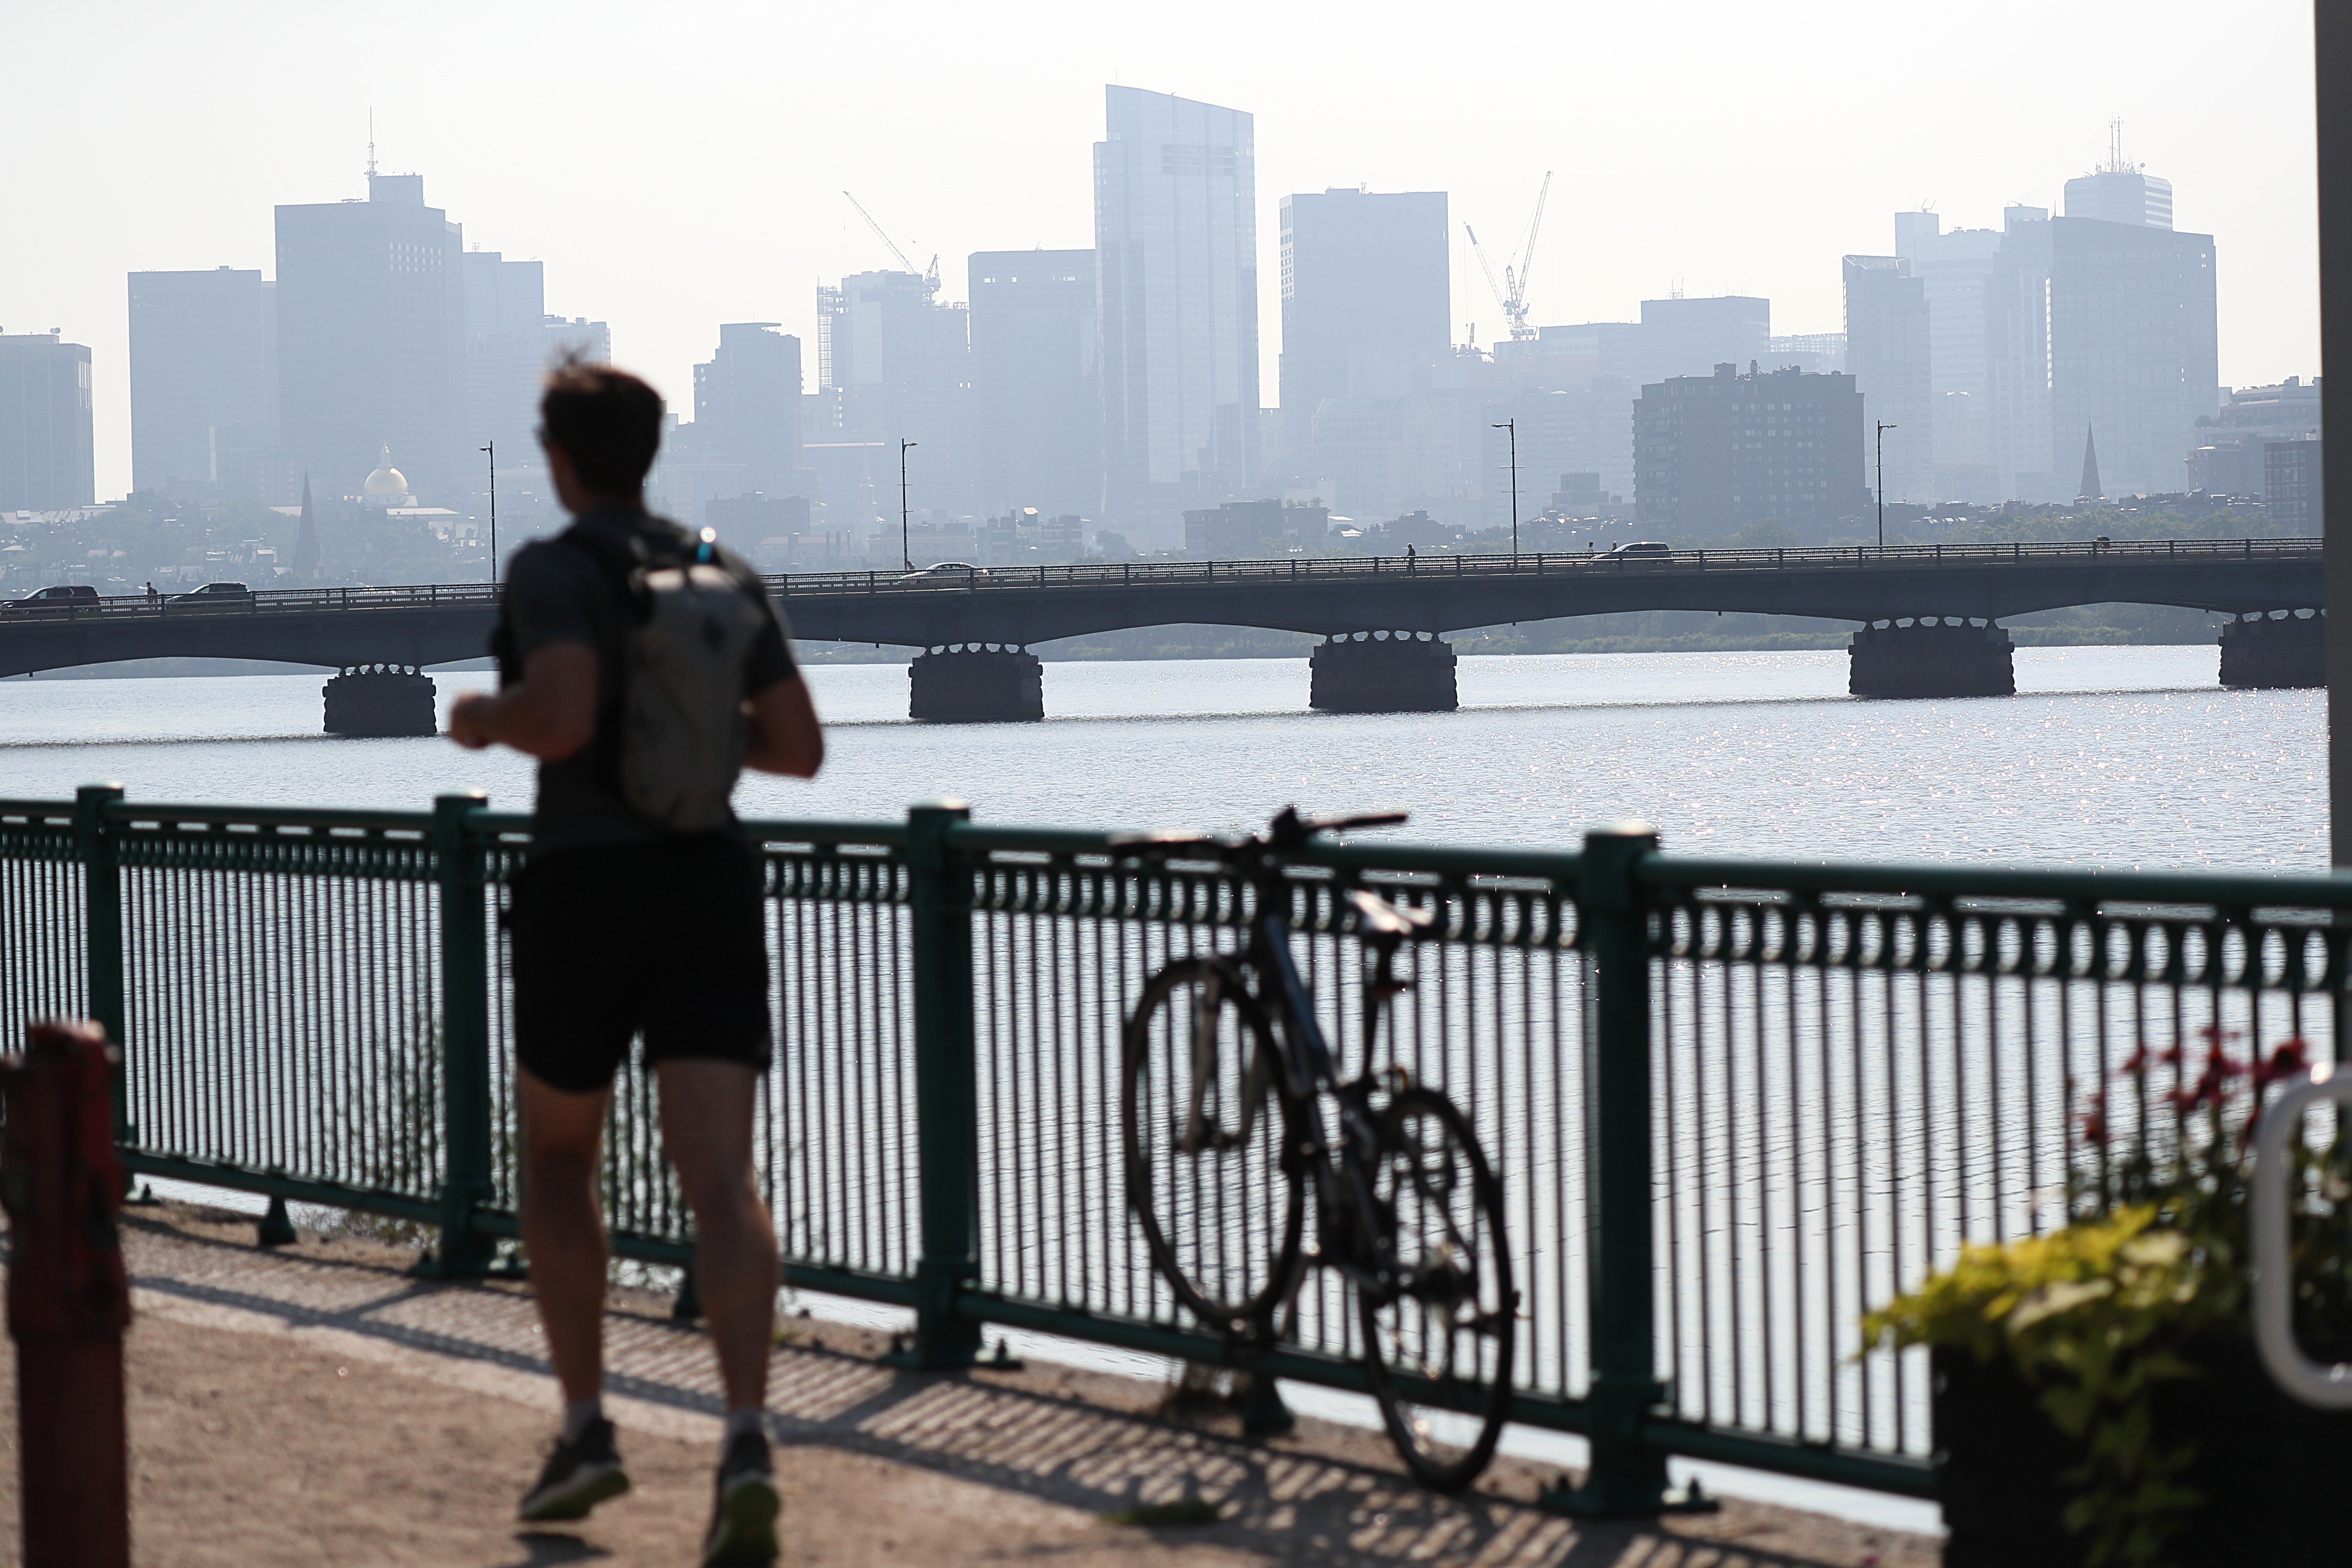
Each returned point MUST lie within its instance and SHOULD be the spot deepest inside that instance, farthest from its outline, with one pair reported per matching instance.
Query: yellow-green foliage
(2093, 1317)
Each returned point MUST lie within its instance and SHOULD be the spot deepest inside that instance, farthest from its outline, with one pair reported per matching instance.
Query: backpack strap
(620, 562)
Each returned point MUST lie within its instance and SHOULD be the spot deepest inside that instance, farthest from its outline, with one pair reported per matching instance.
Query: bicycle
(1225, 1076)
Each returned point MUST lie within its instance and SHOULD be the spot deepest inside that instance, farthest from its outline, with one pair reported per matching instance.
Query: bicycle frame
(1343, 1240)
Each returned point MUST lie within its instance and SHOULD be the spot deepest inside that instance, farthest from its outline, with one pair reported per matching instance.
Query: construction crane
(930, 277)
(1511, 292)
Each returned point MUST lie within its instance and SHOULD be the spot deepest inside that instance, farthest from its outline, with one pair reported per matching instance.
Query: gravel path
(313, 1405)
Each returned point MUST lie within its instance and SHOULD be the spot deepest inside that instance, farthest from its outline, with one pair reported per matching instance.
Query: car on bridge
(63, 599)
(945, 569)
(212, 597)
(1642, 547)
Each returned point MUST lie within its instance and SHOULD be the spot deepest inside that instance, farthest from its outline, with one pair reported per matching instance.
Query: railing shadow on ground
(1289, 1503)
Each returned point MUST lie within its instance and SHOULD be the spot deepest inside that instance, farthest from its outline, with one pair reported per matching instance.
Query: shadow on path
(1295, 1501)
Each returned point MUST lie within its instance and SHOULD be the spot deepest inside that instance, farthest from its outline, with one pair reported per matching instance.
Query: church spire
(2090, 490)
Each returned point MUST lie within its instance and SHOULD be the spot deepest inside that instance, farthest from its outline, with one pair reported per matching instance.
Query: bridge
(1929, 612)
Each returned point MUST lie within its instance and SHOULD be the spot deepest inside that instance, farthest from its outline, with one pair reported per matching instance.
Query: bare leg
(706, 1114)
(563, 1227)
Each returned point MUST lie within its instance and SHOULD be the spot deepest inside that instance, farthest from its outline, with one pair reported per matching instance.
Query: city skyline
(1735, 189)
(400, 338)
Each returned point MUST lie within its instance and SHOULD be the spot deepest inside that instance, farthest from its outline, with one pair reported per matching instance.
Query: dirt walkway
(313, 1405)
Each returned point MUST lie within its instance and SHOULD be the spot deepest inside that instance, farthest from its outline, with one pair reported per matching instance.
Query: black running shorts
(665, 939)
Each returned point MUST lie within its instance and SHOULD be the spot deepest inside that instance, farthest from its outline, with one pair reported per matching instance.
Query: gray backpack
(675, 749)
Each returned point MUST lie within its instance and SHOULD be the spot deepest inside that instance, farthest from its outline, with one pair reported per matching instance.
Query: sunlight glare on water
(2115, 756)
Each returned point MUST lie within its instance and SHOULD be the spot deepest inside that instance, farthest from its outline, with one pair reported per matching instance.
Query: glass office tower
(1176, 242)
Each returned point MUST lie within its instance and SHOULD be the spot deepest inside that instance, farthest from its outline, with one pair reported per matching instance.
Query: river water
(2106, 756)
(2113, 756)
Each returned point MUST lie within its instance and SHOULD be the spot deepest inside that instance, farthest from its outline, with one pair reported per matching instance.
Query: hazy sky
(680, 165)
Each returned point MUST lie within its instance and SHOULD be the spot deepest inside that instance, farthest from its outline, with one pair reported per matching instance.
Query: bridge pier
(1931, 655)
(2267, 652)
(1375, 672)
(379, 699)
(973, 683)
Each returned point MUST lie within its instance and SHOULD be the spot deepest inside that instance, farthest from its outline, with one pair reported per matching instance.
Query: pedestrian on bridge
(644, 668)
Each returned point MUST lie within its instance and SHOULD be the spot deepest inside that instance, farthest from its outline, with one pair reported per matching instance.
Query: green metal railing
(1735, 1104)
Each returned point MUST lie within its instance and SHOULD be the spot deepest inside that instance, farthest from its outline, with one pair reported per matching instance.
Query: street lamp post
(493, 450)
(1883, 428)
(1512, 426)
(906, 551)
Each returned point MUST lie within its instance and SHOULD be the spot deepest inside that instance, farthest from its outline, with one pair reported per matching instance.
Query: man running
(623, 923)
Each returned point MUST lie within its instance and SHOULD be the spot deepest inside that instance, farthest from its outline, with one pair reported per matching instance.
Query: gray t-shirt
(558, 594)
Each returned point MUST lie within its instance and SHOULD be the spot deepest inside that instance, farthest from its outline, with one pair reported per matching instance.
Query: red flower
(2288, 1058)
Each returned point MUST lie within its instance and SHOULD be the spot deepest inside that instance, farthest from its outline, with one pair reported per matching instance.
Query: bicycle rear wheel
(1439, 1338)
(1210, 1128)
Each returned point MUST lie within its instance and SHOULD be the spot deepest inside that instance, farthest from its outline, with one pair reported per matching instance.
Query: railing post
(95, 846)
(947, 1090)
(466, 1183)
(1627, 1475)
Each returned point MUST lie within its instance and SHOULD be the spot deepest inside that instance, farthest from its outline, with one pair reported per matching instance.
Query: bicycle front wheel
(1440, 1331)
(1210, 1128)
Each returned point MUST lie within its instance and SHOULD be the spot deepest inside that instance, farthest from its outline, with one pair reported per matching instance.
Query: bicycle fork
(1197, 1135)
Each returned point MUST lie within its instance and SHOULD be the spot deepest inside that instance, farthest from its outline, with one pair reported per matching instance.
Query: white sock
(751, 1418)
(579, 1412)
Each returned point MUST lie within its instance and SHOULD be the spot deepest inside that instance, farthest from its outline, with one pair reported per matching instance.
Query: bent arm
(549, 714)
(784, 736)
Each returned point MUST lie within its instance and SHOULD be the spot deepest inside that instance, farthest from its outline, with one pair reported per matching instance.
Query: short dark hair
(607, 421)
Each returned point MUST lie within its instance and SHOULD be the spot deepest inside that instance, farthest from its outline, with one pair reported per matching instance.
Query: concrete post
(2332, 54)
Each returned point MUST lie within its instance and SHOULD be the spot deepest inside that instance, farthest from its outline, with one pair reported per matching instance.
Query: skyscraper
(370, 338)
(203, 376)
(747, 404)
(1955, 267)
(1887, 337)
(45, 423)
(1176, 240)
(1036, 390)
(2119, 191)
(1951, 268)
(1366, 297)
(2133, 352)
(896, 363)
(2017, 360)
(510, 342)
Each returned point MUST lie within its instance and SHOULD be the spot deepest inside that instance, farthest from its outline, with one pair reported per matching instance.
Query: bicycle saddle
(1377, 917)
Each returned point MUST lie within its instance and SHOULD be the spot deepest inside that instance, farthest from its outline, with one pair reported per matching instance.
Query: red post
(68, 1297)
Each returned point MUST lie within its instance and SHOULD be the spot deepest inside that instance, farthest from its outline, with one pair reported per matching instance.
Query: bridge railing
(1303, 569)
(260, 602)
(1299, 569)
(1798, 1089)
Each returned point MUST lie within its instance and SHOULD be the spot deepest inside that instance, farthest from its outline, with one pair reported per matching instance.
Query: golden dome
(386, 480)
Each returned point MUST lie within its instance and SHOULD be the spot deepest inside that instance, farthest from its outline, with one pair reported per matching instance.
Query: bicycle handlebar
(1287, 830)
(1367, 819)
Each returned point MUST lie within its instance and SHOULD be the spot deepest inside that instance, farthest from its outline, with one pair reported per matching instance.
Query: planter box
(2271, 1469)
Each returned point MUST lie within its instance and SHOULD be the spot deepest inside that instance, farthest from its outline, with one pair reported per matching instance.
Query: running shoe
(743, 1513)
(579, 1475)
